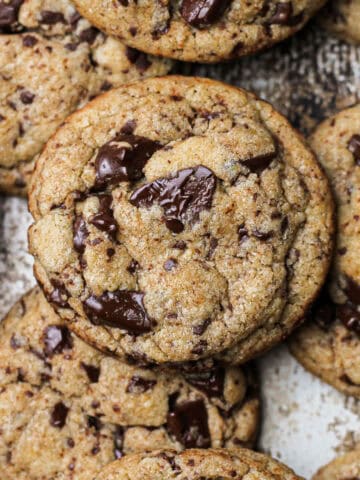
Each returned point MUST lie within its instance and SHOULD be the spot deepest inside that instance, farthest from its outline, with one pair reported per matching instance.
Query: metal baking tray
(305, 422)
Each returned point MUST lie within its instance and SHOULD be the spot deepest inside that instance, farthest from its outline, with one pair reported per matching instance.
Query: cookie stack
(182, 228)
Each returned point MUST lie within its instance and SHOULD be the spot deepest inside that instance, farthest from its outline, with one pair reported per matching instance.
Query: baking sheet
(305, 422)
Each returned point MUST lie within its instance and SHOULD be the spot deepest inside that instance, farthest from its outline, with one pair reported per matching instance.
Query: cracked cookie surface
(342, 17)
(191, 219)
(329, 345)
(53, 65)
(195, 464)
(345, 467)
(198, 30)
(67, 410)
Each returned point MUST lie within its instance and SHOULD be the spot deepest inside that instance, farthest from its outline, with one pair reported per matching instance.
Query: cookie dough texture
(329, 345)
(342, 17)
(195, 464)
(191, 219)
(194, 30)
(53, 67)
(67, 410)
(345, 467)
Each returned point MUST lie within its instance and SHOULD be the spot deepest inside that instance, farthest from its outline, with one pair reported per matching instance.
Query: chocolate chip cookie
(49, 71)
(66, 409)
(346, 467)
(190, 219)
(198, 30)
(195, 464)
(329, 345)
(342, 17)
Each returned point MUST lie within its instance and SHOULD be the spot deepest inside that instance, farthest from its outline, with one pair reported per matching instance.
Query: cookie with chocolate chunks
(329, 344)
(197, 464)
(216, 213)
(342, 17)
(53, 63)
(67, 410)
(200, 30)
(344, 467)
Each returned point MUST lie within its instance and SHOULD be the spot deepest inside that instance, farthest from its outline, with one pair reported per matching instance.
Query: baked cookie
(343, 18)
(190, 219)
(198, 30)
(45, 77)
(195, 464)
(346, 467)
(329, 345)
(66, 409)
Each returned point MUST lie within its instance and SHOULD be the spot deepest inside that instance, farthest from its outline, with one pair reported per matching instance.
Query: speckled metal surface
(305, 422)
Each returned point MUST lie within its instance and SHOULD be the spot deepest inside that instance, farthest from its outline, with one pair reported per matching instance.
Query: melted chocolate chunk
(140, 385)
(59, 295)
(118, 442)
(27, 97)
(80, 234)
(324, 313)
(170, 264)
(283, 13)
(243, 233)
(188, 423)
(211, 382)
(9, 13)
(58, 415)
(47, 17)
(89, 35)
(29, 41)
(202, 327)
(94, 422)
(354, 147)
(123, 158)
(92, 372)
(104, 220)
(129, 127)
(352, 290)
(56, 339)
(183, 197)
(259, 163)
(137, 58)
(349, 316)
(200, 13)
(120, 309)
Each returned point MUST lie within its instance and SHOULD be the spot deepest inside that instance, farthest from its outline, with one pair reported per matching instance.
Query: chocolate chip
(56, 339)
(106, 86)
(259, 163)
(15, 343)
(120, 309)
(92, 372)
(199, 13)
(140, 385)
(349, 316)
(124, 3)
(118, 442)
(188, 423)
(58, 415)
(123, 158)
(202, 327)
(59, 295)
(104, 220)
(283, 13)
(89, 35)
(80, 234)
(211, 382)
(352, 290)
(139, 59)
(94, 422)
(243, 233)
(27, 97)
(183, 196)
(354, 147)
(129, 127)
(199, 349)
(212, 247)
(9, 12)
(47, 17)
(180, 245)
(170, 264)
(324, 313)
